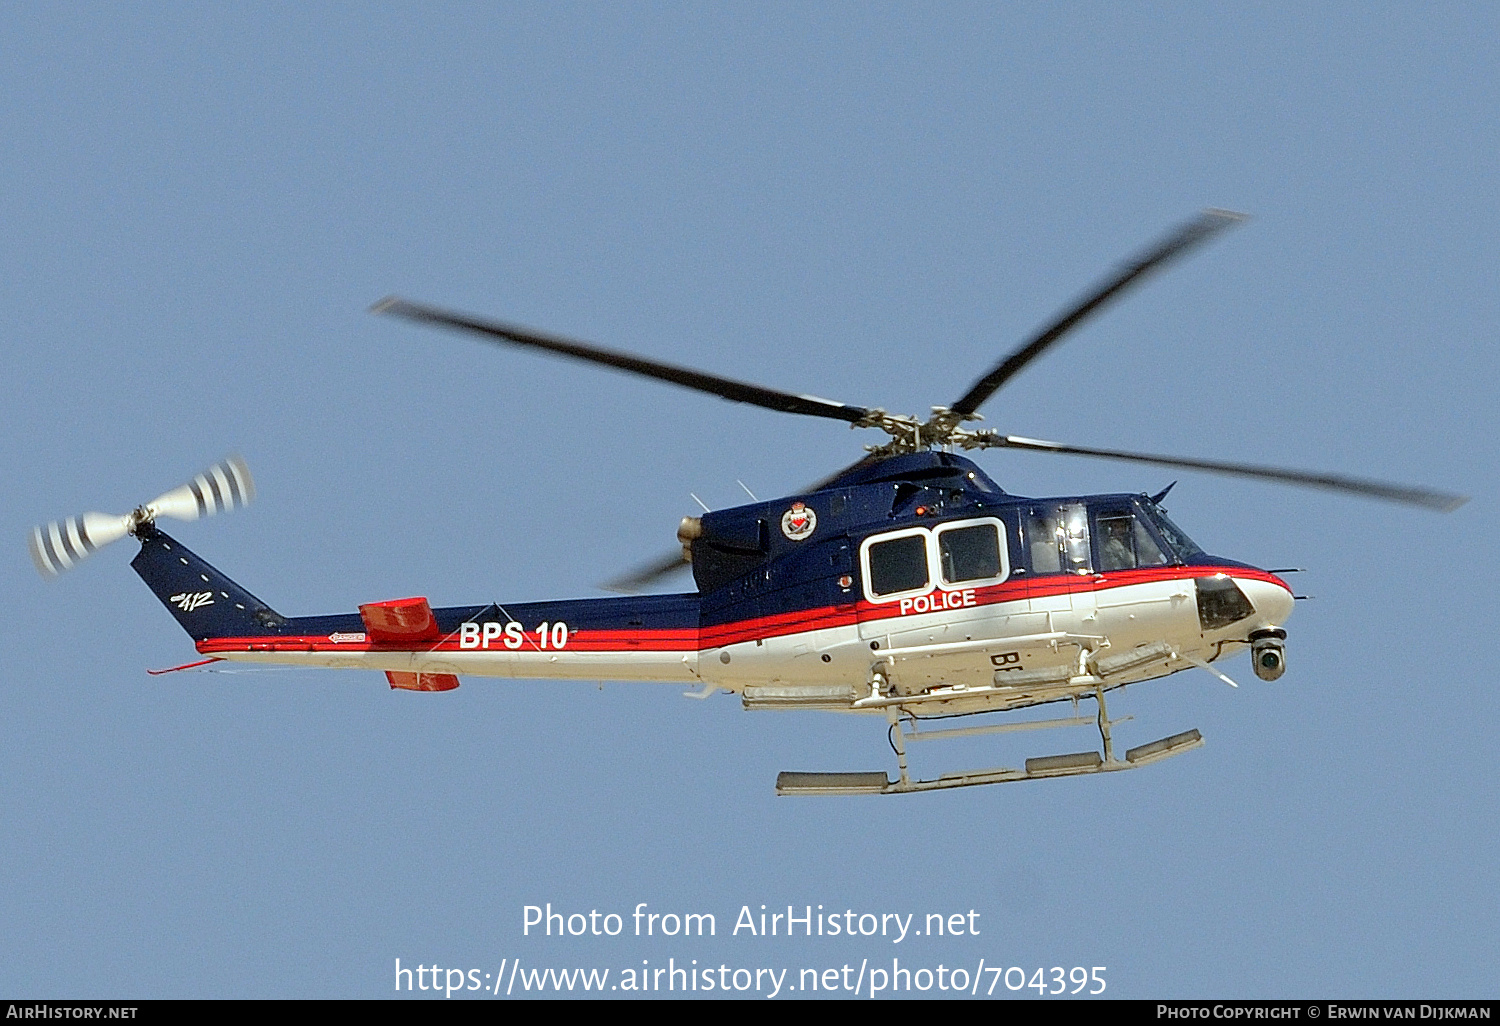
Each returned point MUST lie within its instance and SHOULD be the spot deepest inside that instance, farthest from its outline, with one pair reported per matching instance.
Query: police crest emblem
(798, 522)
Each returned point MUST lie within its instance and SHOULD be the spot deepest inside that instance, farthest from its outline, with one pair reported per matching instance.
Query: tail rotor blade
(63, 544)
(222, 487)
(646, 576)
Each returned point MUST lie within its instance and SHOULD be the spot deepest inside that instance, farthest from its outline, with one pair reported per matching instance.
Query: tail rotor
(222, 487)
(63, 544)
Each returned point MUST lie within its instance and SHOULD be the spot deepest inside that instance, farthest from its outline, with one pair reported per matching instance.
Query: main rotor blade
(728, 388)
(1194, 233)
(1441, 501)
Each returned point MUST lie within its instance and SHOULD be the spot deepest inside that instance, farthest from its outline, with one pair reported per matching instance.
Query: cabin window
(898, 565)
(970, 553)
(959, 555)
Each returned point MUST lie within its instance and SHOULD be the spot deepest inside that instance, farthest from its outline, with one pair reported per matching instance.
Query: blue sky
(867, 202)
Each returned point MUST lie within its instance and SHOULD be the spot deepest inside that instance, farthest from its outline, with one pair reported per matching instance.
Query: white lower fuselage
(1006, 646)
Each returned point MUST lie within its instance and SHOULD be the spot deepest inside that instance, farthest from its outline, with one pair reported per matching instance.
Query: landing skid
(1036, 769)
(1070, 765)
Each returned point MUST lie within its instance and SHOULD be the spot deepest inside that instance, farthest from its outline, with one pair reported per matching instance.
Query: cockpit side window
(1179, 548)
(1124, 543)
(1147, 552)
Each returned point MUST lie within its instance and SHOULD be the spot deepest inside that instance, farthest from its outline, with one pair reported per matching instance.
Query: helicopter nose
(1273, 602)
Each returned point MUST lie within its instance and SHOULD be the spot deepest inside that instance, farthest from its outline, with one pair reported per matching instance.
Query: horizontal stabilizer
(400, 621)
(422, 681)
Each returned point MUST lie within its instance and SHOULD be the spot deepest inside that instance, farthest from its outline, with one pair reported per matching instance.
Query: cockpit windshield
(1183, 549)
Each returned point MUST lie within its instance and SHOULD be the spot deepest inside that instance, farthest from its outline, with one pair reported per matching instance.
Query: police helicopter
(908, 586)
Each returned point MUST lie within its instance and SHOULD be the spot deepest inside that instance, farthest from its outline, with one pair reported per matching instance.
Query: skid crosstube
(1073, 765)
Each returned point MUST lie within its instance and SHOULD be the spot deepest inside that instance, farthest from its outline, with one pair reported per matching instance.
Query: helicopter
(907, 586)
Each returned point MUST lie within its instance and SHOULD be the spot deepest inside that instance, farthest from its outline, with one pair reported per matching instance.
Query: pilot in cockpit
(1115, 549)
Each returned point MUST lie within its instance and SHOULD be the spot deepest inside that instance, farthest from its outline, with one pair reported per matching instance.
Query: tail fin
(205, 602)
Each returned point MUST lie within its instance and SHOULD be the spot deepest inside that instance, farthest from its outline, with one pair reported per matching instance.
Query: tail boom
(636, 638)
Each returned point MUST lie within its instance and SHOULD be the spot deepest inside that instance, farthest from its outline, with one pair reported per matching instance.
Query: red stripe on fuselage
(757, 628)
(683, 640)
